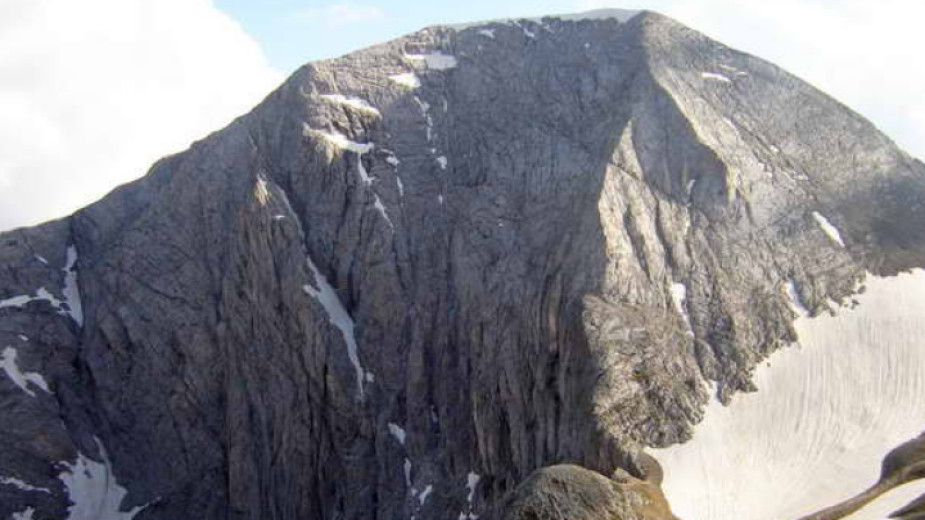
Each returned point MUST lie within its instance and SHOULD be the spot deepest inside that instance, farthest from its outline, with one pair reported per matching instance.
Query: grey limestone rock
(416, 274)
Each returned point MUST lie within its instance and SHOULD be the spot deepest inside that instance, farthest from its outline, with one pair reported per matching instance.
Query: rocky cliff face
(415, 274)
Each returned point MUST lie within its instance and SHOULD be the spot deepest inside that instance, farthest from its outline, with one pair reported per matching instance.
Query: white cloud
(93, 92)
(345, 13)
(866, 54)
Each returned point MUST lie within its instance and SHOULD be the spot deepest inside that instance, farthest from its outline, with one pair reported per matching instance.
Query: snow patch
(42, 259)
(23, 337)
(830, 230)
(341, 142)
(794, 300)
(392, 160)
(22, 485)
(338, 317)
(93, 490)
(715, 77)
(426, 493)
(406, 79)
(489, 33)
(360, 105)
(338, 140)
(401, 186)
(398, 432)
(472, 480)
(442, 162)
(435, 61)
(678, 296)
(17, 301)
(71, 291)
(71, 295)
(19, 378)
(527, 32)
(408, 473)
(824, 416)
(24, 515)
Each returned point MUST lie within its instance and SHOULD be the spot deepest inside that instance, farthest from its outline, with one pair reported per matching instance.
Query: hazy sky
(92, 92)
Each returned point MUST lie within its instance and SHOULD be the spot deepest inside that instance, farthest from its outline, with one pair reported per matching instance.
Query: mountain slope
(417, 273)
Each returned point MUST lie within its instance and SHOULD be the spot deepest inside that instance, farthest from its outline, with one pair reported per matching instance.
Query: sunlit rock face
(416, 274)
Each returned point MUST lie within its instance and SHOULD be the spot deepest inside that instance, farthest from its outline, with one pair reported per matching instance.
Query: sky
(93, 92)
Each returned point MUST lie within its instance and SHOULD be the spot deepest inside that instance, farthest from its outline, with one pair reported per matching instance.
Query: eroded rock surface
(416, 274)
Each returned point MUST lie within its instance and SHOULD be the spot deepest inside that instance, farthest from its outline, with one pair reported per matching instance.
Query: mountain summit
(416, 274)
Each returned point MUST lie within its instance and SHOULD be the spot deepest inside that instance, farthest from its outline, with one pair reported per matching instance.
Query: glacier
(826, 412)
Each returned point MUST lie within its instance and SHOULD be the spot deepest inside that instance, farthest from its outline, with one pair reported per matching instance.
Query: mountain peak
(417, 273)
(620, 15)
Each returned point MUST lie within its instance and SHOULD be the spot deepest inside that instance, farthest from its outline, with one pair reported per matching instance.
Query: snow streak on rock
(71, 291)
(795, 300)
(715, 77)
(338, 317)
(472, 481)
(398, 432)
(825, 414)
(357, 104)
(71, 305)
(19, 378)
(21, 485)
(422, 498)
(830, 230)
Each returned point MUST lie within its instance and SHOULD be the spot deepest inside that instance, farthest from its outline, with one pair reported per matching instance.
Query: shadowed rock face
(904, 464)
(913, 511)
(416, 274)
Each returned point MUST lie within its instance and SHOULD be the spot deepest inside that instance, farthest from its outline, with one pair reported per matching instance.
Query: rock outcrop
(568, 492)
(416, 274)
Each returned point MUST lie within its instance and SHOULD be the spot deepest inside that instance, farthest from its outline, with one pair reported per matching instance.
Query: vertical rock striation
(416, 274)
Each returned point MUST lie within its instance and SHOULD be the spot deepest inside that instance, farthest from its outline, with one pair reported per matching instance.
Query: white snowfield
(825, 414)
